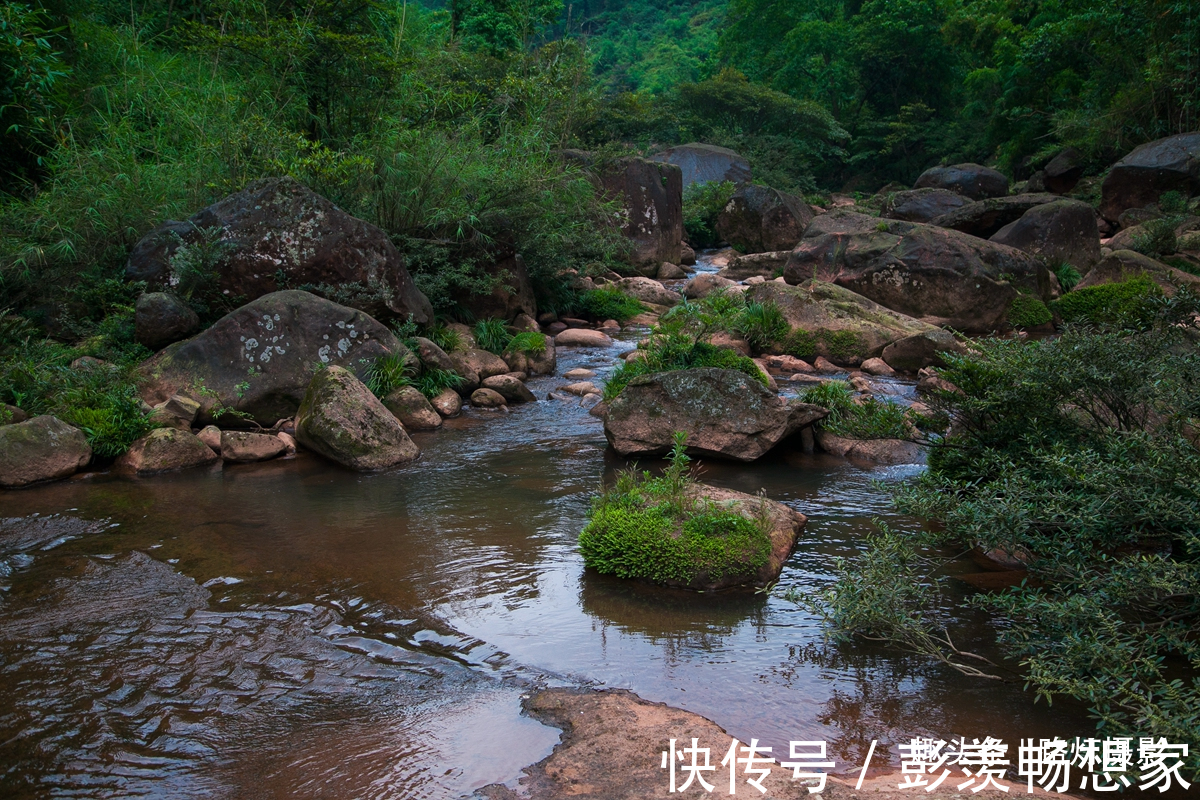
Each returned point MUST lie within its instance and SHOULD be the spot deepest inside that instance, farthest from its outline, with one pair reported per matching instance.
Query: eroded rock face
(277, 226)
(706, 163)
(166, 450)
(1062, 231)
(652, 195)
(939, 276)
(970, 180)
(41, 449)
(1142, 176)
(923, 205)
(758, 219)
(340, 419)
(260, 358)
(843, 325)
(984, 218)
(726, 414)
(160, 319)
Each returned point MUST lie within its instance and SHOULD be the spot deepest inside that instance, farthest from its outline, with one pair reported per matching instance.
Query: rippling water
(293, 629)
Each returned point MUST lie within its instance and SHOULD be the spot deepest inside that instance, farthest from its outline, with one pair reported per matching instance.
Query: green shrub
(530, 343)
(649, 528)
(702, 203)
(609, 302)
(844, 345)
(1028, 311)
(867, 419)
(670, 353)
(389, 373)
(1157, 237)
(492, 335)
(761, 325)
(1108, 303)
(1068, 276)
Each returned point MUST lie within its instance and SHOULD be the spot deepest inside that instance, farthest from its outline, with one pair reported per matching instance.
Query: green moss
(1028, 311)
(609, 302)
(801, 344)
(1107, 303)
(844, 344)
(667, 355)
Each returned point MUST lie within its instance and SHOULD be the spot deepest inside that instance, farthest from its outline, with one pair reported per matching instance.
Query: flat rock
(341, 420)
(246, 447)
(579, 373)
(512, 389)
(922, 205)
(166, 450)
(725, 414)
(582, 337)
(41, 449)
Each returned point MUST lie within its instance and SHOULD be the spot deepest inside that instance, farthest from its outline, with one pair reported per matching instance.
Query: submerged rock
(340, 419)
(725, 414)
(41, 449)
(259, 359)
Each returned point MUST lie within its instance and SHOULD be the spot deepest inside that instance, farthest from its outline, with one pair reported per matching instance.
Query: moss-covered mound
(1107, 303)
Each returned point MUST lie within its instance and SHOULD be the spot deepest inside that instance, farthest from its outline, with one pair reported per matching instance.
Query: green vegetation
(1108, 303)
(1079, 454)
(868, 418)
(389, 373)
(492, 335)
(445, 337)
(761, 325)
(1068, 276)
(530, 343)
(702, 204)
(658, 529)
(609, 302)
(433, 381)
(1028, 311)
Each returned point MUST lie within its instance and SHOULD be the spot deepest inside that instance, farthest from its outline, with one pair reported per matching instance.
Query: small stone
(555, 328)
(804, 377)
(524, 322)
(579, 337)
(448, 403)
(610, 325)
(487, 398)
(575, 322)
(11, 414)
(211, 436)
(412, 409)
(754, 280)
(246, 447)
(580, 374)
(789, 364)
(581, 388)
(822, 364)
(877, 366)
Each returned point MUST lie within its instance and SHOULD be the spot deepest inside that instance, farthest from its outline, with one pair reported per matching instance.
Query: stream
(290, 628)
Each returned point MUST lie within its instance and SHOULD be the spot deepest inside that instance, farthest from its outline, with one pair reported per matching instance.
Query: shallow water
(290, 628)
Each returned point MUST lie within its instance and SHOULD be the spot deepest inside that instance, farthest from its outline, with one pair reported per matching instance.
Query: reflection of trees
(674, 619)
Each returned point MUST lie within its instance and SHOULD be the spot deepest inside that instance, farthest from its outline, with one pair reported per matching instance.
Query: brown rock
(984, 218)
(670, 272)
(728, 341)
(448, 403)
(525, 322)
(877, 366)
(687, 256)
(160, 319)
(340, 419)
(1064, 171)
(652, 196)
(166, 450)
(705, 284)
(726, 414)
(432, 356)
(762, 265)
(1150, 170)
(246, 447)
(1125, 264)
(759, 219)
(211, 436)
(879, 451)
(277, 226)
(1062, 231)
(289, 443)
(11, 414)
(581, 388)
(921, 350)
(648, 290)
(579, 373)
(543, 363)
(41, 449)
(971, 180)
(822, 364)
(929, 382)
(510, 388)
(177, 411)
(789, 364)
(580, 337)
(922, 205)
(412, 409)
(487, 398)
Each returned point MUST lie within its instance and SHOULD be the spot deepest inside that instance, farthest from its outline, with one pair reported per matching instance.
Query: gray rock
(1062, 231)
(340, 419)
(160, 319)
(41, 449)
(1148, 171)
(971, 180)
(706, 163)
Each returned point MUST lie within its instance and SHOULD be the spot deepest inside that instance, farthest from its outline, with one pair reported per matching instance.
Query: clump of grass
(531, 343)
(1068, 276)
(492, 335)
(389, 373)
(762, 325)
(650, 528)
(433, 381)
(445, 337)
(609, 302)
(664, 354)
(867, 418)
(1028, 311)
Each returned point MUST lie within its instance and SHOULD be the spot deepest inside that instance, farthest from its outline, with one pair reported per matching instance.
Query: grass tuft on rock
(866, 418)
(651, 528)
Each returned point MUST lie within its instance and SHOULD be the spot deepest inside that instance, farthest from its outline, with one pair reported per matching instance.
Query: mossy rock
(723, 539)
(341, 420)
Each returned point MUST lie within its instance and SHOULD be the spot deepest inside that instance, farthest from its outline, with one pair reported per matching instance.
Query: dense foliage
(1077, 455)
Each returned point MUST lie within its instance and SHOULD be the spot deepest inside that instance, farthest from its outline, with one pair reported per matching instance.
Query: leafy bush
(866, 419)
(762, 325)
(445, 337)
(650, 528)
(1157, 237)
(702, 203)
(1078, 452)
(1028, 311)
(1109, 303)
(609, 302)
(492, 335)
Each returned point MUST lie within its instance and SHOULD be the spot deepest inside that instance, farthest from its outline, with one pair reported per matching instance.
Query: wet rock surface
(340, 419)
(41, 449)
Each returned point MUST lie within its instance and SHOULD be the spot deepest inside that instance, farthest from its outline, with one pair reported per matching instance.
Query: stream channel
(293, 629)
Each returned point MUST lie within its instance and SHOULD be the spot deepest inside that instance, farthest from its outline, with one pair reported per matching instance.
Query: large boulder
(934, 274)
(971, 180)
(765, 265)
(1062, 231)
(41, 449)
(277, 233)
(705, 284)
(726, 414)
(1122, 265)
(648, 290)
(922, 205)
(1141, 177)
(160, 319)
(758, 219)
(166, 450)
(258, 360)
(914, 353)
(835, 322)
(706, 163)
(984, 218)
(341, 420)
(1063, 171)
(512, 292)
(652, 218)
